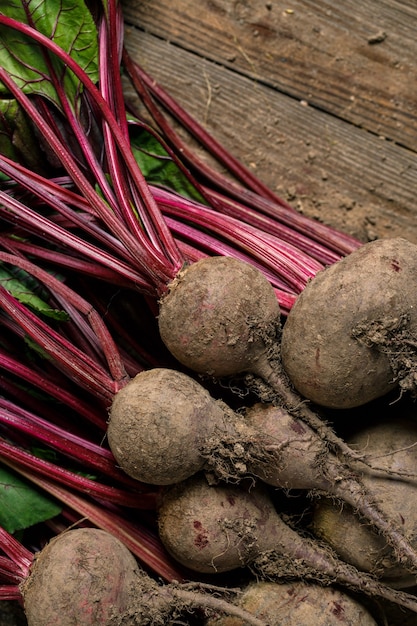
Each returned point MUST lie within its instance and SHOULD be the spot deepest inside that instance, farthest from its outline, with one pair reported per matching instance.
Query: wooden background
(318, 97)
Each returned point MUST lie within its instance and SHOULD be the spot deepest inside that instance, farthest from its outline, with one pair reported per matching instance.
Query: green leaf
(21, 504)
(69, 24)
(20, 286)
(157, 166)
(17, 139)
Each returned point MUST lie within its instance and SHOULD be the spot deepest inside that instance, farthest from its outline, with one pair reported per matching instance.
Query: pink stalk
(79, 265)
(8, 571)
(145, 256)
(167, 257)
(20, 556)
(77, 329)
(140, 541)
(338, 241)
(54, 229)
(65, 354)
(274, 226)
(61, 199)
(144, 358)
(32, 221)
(10, 592)
(90, 455)
(146, 86)
(197, 236)
(168, 199)
(42, 382)
(164, 198)
(110, 33)
(294, 267)
(36, 185)
(109, 493)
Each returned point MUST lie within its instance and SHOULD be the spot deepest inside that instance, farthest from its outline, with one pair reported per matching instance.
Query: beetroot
(221, 528)
(83, 577)
(298, 604)
(87, 576)
(349, 337)
(165, 427)
(217, 315)
(392, 444)
(157, 422)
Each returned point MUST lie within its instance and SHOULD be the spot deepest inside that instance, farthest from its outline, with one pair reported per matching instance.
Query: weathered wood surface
(319, 98)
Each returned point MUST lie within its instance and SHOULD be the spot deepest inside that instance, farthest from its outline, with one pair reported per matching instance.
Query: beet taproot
(88, 577)
(165, 427)
(220, 528)
(82, 576)
(216, 314)
(157, 423)
(393, 444)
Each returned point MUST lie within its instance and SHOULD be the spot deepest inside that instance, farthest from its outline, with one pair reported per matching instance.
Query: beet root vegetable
(220, 317)
(216, 314)
(221, 528)
(87, 576)
(157, 423)
(393, 445)
(83, 576)
(296, 604)
(165, 427)
(284, 452)
(349, 337)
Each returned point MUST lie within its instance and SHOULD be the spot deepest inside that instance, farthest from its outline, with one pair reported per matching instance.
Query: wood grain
(326, 166)
(315, 50)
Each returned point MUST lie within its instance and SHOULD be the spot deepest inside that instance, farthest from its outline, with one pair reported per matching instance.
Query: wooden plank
(354, 59)
(326, 167)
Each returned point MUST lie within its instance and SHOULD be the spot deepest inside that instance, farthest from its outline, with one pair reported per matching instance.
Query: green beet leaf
(17, 139)
(70, 25)
(157, 166)
(21, 286)
(21, 504)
